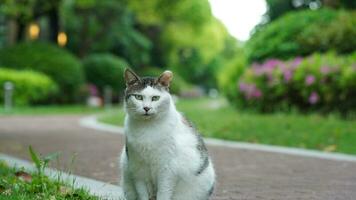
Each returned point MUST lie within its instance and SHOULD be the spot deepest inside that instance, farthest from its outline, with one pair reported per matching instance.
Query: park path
(242, 174)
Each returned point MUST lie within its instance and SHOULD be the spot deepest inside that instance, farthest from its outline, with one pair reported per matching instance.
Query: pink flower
(296, 62)
(271, 64)
(267, 67)
(250, 91)
(243, 86)
(256, 93)
(325, 70)
(313, 98)
(287, 74)
(309, 80)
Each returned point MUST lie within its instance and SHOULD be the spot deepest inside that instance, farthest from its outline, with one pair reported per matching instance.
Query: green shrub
(304, 32)
(321, 82)
(57, 63)
(105, 70)
(229, 74)
(178, 84)
(29, 86)
(338, 35)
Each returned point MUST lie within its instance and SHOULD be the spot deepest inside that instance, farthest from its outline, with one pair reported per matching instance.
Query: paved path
(242, 174)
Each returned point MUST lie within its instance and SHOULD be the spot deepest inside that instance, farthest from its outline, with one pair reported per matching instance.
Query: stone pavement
(241, 174)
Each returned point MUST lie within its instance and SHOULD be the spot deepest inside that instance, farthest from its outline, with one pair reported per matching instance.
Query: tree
(23, 12)
(186, 37)
(105, 25)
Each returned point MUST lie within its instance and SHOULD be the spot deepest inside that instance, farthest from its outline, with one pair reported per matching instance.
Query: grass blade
(35, 158)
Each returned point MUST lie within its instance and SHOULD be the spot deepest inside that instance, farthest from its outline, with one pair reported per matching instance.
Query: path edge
(92, 122)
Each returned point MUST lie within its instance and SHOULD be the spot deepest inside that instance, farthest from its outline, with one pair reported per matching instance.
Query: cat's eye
(138, 97)
(155, 98)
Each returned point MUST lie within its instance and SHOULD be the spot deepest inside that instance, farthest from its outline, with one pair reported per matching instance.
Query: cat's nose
(146, 109)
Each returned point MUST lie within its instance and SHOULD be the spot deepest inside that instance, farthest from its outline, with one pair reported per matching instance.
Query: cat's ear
(130, 77)
(165, 78)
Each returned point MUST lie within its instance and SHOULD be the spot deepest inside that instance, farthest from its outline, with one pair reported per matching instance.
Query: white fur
(163, 156)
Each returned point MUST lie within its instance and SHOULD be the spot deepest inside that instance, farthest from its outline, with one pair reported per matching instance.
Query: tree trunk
(53, 24)
(20, 33)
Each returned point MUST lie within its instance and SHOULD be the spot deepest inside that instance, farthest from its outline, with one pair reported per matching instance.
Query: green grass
(51, 109)
(13, 187)
(293, 130)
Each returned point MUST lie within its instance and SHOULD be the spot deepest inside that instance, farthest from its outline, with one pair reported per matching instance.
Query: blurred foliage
(26, 10)
(277, 8)
(153, 12)
(321, 82)
(228, 76)
(102, 26)
(186, 37)
(29, 87)
(338, 35)
(181, 35)
(104, 70)
(178, 84)
(196, 58)
(64, 68)
(298, 34)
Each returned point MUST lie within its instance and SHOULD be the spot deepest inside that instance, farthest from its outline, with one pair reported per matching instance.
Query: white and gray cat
(164, 157)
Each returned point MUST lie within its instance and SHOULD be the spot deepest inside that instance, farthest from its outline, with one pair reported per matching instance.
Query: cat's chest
(151, 151)
(151, 145)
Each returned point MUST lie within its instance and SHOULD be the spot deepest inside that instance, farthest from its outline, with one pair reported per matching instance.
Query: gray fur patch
(211, 190)
(126, 148)
(203, 151)
(204, 165)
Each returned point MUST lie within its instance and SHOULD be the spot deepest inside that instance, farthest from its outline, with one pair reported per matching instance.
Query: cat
(164, 158)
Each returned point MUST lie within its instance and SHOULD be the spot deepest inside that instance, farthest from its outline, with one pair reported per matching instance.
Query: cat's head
(147, 97)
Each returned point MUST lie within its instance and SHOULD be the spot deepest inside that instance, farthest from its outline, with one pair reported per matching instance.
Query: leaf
(35, 158)
(24, 176)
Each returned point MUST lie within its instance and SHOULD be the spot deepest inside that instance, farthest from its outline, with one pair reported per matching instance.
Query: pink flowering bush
(323, 82)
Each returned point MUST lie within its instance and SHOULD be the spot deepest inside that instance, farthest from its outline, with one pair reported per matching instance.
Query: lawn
(16, 184)
(326, 133)
(51, 109)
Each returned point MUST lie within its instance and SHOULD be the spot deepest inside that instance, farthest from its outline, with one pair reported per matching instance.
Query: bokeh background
(290, 82)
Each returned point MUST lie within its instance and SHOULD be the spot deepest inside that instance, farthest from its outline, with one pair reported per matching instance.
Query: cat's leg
(142, 191)
(129, 189)
(195, 187)
(127, 181)
(166, 184)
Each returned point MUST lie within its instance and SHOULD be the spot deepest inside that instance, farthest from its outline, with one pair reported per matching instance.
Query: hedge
(321, 82)
(60, 65)
(302, 33)
(29, 87)
(105, 70)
